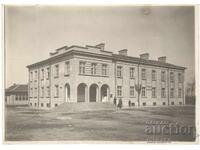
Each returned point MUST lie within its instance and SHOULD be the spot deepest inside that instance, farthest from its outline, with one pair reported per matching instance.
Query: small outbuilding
(17, 94)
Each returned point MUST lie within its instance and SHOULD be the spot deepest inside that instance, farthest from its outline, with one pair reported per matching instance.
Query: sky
(32, 32)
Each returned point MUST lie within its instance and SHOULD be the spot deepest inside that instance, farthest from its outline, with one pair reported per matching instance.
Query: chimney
(101, 46)
(123, 52)
(144, 56)
(162, 59)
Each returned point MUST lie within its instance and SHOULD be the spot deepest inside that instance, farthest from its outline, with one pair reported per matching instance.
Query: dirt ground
(135, 124)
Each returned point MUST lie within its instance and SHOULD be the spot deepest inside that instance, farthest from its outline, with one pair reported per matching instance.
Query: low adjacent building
(17, 94)
(92, 74)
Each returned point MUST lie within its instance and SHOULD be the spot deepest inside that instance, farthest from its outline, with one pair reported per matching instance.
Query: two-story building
(92, 74)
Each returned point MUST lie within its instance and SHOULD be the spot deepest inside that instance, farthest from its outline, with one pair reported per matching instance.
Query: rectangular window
(104, 70)
(31, 76)
(153, 73)
(163, 93)
(56, 90)
(82, 67)
(132, 91)
(35, 92)
(48, 92)
(93, 68)
(119, 71)
(42, 105)
(42, 91)
(143, 91)
(132, 73)
(171, 77)
(179, 78)
(67, 68)
(48, 73)
(56, 71)
(42, 74)
(172, 92)
(31, 92)
(153, 92)
(36, 76)
(143, 74)
(179, 93)
(163, 77)
(16, 97)
(119, 91)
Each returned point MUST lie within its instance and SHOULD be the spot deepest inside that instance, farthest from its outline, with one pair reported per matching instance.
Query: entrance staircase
(77, 107)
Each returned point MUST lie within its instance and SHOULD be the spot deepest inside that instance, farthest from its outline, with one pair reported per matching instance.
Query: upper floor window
(67, 68)
(143, 91)
(104, 70)
(163, 77)
(31, 76)
(56, 71)
(171, 77)
(153, 92)
(179, 78)
(153, 73)
(132, 90)
(56, 90)
(132, 73)
(36, 75)
(143, 74)
(119, 91)
(48, 73)
(93, 68)
(119, 71)
(82, 67)
(163, 93)
(42, 74)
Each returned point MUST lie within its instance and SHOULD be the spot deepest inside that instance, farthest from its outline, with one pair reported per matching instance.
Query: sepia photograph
(104, 74)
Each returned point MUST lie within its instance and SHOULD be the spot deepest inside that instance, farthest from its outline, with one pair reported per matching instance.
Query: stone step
(76, 107)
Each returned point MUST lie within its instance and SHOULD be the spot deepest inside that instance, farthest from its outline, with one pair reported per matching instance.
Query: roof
(146, 62)
(115, 57)
(17, 88)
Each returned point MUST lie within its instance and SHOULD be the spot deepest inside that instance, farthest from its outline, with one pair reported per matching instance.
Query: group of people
(120, 104)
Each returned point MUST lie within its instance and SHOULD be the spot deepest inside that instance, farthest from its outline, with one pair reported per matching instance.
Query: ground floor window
(179, 93)
(164, 103)
(154, 103)
(119, 91)
(172, 92)
(144, 104)
(56, 90)
(163, 92)
(153, 92)
(42, 105)
(35, 104)
(132, 91)
(56, 105)
(172, 103)
(48, 105)
(143, 91)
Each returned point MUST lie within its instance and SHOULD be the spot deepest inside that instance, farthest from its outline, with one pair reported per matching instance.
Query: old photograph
(99, 74)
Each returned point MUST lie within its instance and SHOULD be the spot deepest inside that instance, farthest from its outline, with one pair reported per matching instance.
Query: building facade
(92, 74)
(17, 94)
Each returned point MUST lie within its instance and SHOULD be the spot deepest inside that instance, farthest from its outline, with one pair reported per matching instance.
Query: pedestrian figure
(115, 101)
(129, 103)
(119, 103)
